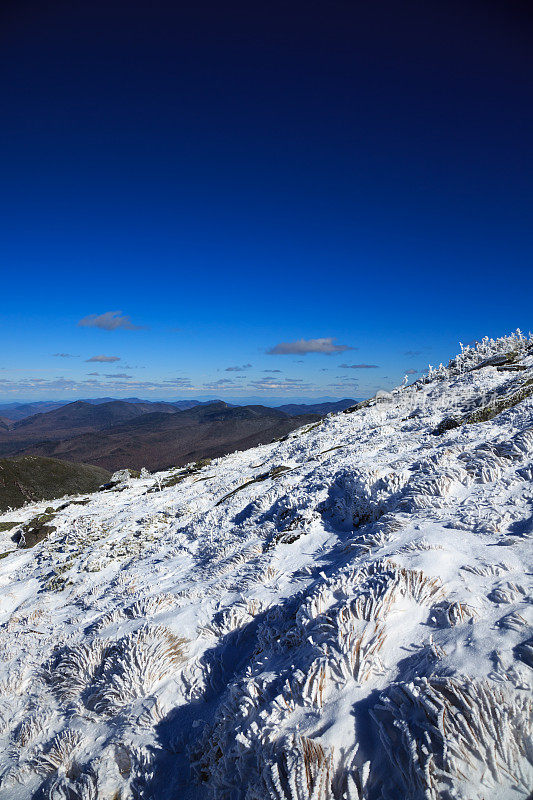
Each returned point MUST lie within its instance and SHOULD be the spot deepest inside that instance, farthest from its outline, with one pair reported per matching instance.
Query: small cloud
(412, 372)
(239, 369)
(358, 366)
(93, 373)
(120, 375)
(325, 345)
(271, 371)
(109, 321)
(63, 355)
(102, 359)
(222, 383)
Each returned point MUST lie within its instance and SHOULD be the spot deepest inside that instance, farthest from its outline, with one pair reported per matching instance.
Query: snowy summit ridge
(343, 614)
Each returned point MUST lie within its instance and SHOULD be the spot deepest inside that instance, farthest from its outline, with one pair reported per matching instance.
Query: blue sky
(231, 180)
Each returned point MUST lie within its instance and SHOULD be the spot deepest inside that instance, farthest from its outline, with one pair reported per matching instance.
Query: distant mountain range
(17, 411)
(116, 434)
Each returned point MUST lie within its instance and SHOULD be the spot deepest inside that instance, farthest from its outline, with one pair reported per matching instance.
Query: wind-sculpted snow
(342, 615)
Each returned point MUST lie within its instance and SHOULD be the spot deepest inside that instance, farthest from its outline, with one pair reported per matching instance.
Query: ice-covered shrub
(76, 667)
(134, 666)
(356, 498)
(440, 731)
(59, 752)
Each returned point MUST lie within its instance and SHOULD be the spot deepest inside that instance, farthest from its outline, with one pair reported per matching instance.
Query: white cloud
(109, 321)
(324, 345)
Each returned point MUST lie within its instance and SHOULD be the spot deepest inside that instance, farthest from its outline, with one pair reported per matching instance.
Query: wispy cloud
(243, 368)
(109, 321)
(222, 383)
(115, 383)
(324, 345)
(279, 384)
(63, 355)
(271, 371)
(358, 366)
(182, 383)
(32, 384)
(261, 384)
(120, 375)
(102, 359)
(412, 372)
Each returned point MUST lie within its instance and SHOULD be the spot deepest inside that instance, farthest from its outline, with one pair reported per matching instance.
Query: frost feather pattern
(343, 615)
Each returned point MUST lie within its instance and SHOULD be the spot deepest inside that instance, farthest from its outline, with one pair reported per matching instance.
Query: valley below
(119, 434)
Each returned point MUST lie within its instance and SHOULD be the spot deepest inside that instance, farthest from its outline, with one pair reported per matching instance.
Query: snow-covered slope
(343, 614)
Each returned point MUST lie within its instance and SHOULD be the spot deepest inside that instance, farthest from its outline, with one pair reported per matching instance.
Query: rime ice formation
(340, 615)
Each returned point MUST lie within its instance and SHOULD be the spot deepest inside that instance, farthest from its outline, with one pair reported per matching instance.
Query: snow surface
(355, 626)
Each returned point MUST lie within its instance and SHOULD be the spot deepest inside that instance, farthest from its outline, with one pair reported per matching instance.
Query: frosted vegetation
(342, 615)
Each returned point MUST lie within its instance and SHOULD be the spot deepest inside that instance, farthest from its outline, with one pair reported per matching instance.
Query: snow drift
(343, 614)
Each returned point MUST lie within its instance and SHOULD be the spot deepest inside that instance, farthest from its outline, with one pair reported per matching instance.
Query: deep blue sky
(234, 176)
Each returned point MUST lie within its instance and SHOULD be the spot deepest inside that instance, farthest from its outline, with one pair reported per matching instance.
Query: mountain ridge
(120, 434)
(16, 411)
(158, 440)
